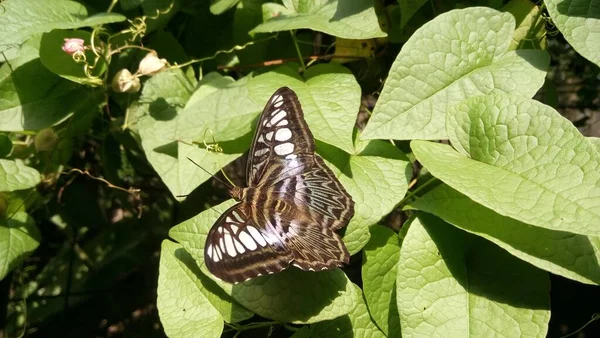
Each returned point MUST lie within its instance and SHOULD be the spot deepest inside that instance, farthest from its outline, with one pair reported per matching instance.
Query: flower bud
(45, 140)
(152, 65)
(72, 46)
(125, 82)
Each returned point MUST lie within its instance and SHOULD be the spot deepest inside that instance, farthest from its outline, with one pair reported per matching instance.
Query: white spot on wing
(282, 123)
(283, 134)
(261, 152)
(291, 156)
(239, 246)
(229, 246)
(278, 104)
(276, 98)
(237, 216)
(222, 244)
(248, 241)
(256, 235)
(271, 238)
(269, 136)
(284, 149)
(281, 114)
(234, 228)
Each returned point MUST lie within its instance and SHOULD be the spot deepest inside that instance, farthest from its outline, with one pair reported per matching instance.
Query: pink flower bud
(152, 65)
(124, 82)
(72, 46)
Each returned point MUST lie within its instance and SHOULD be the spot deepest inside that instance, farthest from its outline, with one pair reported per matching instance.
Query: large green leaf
(15, 175)
(376, 177)
(454, 284)
(21, 19)
(321, 295)
(345, 19)
(357, 323)
(379, 269)
(329, 94)
(510, 194)
(459, 54)
(167, 135)
(229, 310)
(18, 238)
(527, 162)
(579, 22)
(33, 98)
(562, 253)
(183, 308)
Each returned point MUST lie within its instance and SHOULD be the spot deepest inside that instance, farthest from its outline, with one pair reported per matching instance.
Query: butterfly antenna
(214, 147)
(229, 184)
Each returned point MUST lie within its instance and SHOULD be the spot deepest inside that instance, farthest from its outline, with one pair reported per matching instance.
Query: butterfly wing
(291, 209)
(238, 249)
(282, 133)
(313, 246)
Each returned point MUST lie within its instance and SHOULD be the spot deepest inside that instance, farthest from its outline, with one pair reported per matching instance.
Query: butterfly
(291, 208)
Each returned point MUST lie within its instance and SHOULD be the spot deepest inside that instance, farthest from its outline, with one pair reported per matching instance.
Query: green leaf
(408, 8)
(221, 6)
(562, 253)
(376, 178)
(531, 31)
(527, 162)
(507, 193)
(379, 269)
(595, 142)
(167, 134)
(21, 19)
(15, 175)
(355, 324)
(304, 332)
(330, 98)
(18, 238)
(345, 19)
(461, 285)
(33, 98)
(459, 54)
(321, 295)
(62, 64)
(184, 310)
(579, 22)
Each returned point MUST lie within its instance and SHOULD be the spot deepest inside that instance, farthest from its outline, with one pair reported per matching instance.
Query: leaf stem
(595, 317)
(411, 194)
(293, 33)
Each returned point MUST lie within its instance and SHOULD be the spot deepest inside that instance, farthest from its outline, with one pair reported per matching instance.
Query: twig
(135, 193)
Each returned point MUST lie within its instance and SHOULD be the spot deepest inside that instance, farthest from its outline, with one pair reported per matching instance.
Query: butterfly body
(291, 208)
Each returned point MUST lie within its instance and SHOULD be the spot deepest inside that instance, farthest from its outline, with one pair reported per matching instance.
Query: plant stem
(293, 33)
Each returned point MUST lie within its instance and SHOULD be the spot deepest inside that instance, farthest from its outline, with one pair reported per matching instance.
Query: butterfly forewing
(281, 133)
(291, 208)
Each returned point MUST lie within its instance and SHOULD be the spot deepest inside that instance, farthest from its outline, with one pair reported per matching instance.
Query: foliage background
(90, 183)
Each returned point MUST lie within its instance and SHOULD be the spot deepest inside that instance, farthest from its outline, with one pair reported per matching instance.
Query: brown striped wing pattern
(291, 208)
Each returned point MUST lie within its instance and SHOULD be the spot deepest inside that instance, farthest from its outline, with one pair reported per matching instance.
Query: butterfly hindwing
(237, 249)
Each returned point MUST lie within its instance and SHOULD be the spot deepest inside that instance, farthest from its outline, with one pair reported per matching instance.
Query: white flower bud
(125, 82)
(152, 65)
